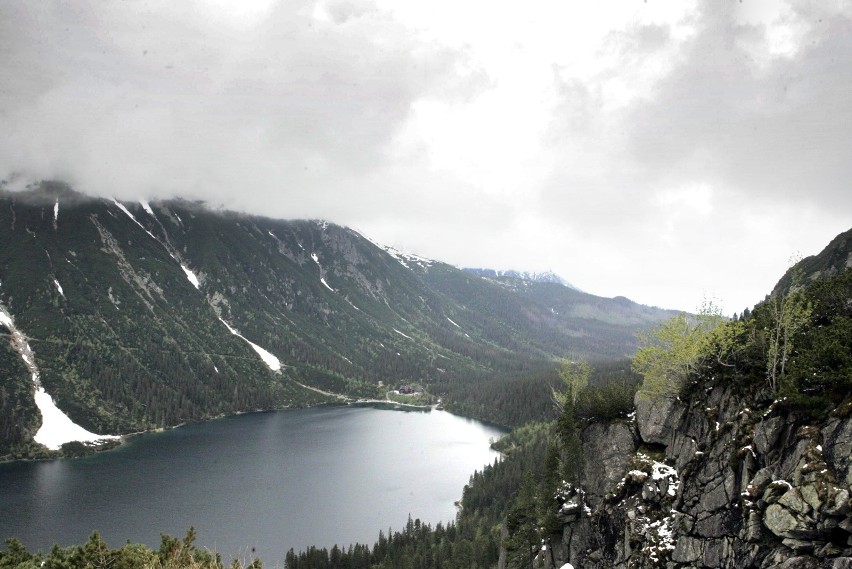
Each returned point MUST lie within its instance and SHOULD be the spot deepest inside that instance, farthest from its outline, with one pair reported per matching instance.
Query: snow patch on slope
(408, 259)
(322, 277)
(147, 207)
(131, 216)
(402, 334)
(191, 276)
(269, 359)
(56, 427)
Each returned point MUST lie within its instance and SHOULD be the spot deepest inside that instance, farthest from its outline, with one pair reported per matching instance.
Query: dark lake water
(268, 481)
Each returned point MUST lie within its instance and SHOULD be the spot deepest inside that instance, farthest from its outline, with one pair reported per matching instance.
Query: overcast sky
(664, 151)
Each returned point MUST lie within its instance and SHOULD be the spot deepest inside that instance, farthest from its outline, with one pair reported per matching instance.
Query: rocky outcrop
(716, 481)
(607, 450)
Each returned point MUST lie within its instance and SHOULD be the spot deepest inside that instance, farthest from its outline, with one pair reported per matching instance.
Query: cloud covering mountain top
(659, 151)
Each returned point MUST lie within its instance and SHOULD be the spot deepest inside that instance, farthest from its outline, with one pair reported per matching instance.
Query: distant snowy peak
(545, 277)
(409, 260)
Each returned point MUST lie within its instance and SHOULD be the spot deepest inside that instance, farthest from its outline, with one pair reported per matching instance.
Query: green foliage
(76, 449)
(19, 419)
(489, 492)
(522, 523)
(606, 402)
(568, 429)
(420, 398)
(16, 555)
(513, 400)
(417, 546)
(575, 378)
(610, 396)
(509, 400)
(676, 349)
(789, 311)
(796, 345)
(820, 361)
(96, 554)
(549, 487)
(603, 402)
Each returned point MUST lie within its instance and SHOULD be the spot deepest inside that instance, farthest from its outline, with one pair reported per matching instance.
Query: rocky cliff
(729, 467)
(723, 479)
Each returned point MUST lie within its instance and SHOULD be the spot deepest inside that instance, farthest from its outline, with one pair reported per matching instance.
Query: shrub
(606, 402)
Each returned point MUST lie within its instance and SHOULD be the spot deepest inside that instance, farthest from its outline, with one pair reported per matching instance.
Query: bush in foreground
(95, 554)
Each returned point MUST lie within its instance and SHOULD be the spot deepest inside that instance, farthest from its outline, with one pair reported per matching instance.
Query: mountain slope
(143, 315)
(735, 467)
(546, 277)
(831, 261)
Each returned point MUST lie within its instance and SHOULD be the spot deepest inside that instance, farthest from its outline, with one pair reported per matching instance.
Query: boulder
(657, 417)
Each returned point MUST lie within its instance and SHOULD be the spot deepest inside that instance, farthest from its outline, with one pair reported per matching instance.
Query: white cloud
(654, 150)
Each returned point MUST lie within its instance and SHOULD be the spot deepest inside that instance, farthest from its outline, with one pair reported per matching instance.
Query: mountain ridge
(543, 277)
(143, 315)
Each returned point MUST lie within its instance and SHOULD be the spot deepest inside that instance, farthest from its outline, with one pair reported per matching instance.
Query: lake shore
(76, 449)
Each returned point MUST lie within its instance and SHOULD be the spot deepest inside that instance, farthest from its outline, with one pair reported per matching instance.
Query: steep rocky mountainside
(833, 260)
(731, 470)
(714, 482)
(137, 315)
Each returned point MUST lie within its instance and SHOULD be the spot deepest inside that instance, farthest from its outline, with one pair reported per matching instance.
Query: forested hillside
(133, 316)
(734, 452)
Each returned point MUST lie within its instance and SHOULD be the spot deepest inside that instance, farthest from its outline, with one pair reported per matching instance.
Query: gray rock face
(838, 442)
(657, 418)
(743, 486)
(766, 434)
(607, 448)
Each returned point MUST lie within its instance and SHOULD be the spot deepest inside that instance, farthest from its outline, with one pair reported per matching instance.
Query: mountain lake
(255, 484)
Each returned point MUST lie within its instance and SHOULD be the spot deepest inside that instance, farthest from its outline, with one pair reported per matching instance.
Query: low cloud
(658, 152)
(286, 117)
(768, 125)
(707, 154)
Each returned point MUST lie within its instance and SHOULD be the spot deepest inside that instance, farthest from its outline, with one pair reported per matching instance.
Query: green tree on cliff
(575, 378)
(789, 312)
(677, 347)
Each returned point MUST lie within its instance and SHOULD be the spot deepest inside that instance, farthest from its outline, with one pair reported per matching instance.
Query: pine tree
(524, 541)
